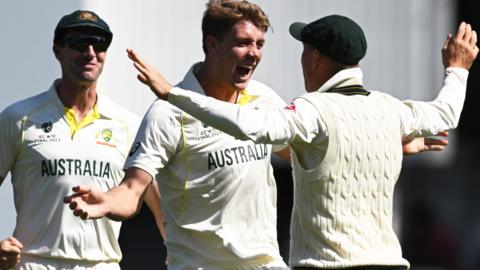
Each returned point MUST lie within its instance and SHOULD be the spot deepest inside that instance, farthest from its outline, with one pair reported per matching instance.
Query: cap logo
(87, 16)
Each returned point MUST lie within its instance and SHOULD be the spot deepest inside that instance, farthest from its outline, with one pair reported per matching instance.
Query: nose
(255, 51)
(90, 51)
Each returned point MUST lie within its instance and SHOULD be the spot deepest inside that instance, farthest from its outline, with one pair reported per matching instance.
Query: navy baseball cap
(338, 37)
(82, 19)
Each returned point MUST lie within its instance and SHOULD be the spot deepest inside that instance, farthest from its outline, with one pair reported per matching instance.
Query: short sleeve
(10, 140)
(156, 140)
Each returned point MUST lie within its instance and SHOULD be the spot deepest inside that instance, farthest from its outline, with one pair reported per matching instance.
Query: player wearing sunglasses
(63, 137)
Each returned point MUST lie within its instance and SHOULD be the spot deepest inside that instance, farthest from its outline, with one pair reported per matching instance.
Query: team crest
(47, 127)
(107, 134)
(88, 16)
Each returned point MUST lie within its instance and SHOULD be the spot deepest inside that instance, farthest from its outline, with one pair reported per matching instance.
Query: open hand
(87, 202)
(460, 50)
(150, 76)
(417, 145)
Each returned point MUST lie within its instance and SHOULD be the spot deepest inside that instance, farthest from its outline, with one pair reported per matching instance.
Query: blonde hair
(221, 15)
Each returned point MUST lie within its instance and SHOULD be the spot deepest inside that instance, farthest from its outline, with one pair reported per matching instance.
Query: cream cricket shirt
(48, 153)
(338, 219)
(218, 193)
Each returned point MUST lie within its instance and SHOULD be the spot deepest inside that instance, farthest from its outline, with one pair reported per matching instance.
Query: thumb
(445, 45)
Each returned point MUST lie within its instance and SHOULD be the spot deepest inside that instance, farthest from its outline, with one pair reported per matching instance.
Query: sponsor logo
(134, 148)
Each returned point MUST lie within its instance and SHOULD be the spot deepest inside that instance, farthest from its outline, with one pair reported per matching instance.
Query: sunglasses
(80, 43)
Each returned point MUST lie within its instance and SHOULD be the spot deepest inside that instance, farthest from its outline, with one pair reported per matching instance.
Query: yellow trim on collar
(245, 97)
(72, 119)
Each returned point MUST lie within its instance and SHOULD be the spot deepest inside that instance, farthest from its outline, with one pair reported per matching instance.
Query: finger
(84, 215)
(10, 253)
(78, 212)
(15, 242)
(473, 40)
(140, 68)
(436, 148)
(136, 57)
(82, 189)
(442, 134)
(73, 205)
(142, 78)
(468, 33)
(445, 45)
(475, 51)
(461, 31)
(434, 142)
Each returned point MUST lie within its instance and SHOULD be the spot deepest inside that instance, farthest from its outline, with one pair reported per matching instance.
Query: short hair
(221, 15)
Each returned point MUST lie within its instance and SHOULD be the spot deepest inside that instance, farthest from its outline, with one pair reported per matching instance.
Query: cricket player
(66, 136)
(345, 141)
(218, 192)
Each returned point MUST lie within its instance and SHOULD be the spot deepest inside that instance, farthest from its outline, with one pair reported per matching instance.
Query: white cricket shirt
(47, 154)
(218, 193)
(338, 242)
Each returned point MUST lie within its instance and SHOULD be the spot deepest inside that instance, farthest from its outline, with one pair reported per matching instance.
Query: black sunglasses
(81, 42)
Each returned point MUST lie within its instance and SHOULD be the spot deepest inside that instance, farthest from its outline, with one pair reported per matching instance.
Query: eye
(260, 44)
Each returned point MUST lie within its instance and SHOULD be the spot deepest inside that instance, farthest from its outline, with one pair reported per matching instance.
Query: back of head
(338, 37)
(221, 15)
(84, 21)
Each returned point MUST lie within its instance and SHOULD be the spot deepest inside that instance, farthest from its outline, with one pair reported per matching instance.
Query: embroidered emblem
(107, 134)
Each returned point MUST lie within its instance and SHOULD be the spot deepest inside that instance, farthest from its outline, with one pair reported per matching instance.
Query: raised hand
(87, 202)
(417, 145)
(150, 76)
(460, 50)
(10, 250)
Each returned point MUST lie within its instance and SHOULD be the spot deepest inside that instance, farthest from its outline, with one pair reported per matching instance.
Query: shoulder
(265, 93)
(26, 107)
(258, 88)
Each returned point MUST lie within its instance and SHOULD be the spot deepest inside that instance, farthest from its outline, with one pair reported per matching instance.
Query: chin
(242, 85)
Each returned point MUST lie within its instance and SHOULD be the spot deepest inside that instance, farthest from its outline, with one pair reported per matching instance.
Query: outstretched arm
(10, 250)
(443, 113)
(118, 203)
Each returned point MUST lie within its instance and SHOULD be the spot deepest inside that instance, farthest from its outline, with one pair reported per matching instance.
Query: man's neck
(80, 97)
(215, 88)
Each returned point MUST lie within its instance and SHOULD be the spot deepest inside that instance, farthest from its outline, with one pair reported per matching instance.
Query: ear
(318, 58)
(212, 44)
(56, 50)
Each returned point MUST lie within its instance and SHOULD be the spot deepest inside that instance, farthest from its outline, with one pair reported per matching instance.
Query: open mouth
(244, 71)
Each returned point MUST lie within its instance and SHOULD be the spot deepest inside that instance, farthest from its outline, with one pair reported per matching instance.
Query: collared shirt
(218, 193)
(300, 125)
(46, 159)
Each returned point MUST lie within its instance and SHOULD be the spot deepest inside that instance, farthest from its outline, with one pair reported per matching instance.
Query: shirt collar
(344, 77)
(190, 82)
(103, 106)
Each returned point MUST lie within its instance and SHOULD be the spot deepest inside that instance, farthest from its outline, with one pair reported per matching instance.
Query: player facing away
(345, 141)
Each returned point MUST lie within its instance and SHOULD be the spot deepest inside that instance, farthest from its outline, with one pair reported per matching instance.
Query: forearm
(443, 113)
(153, 200)
(261, 125)
(122, 203)
(125, 200)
